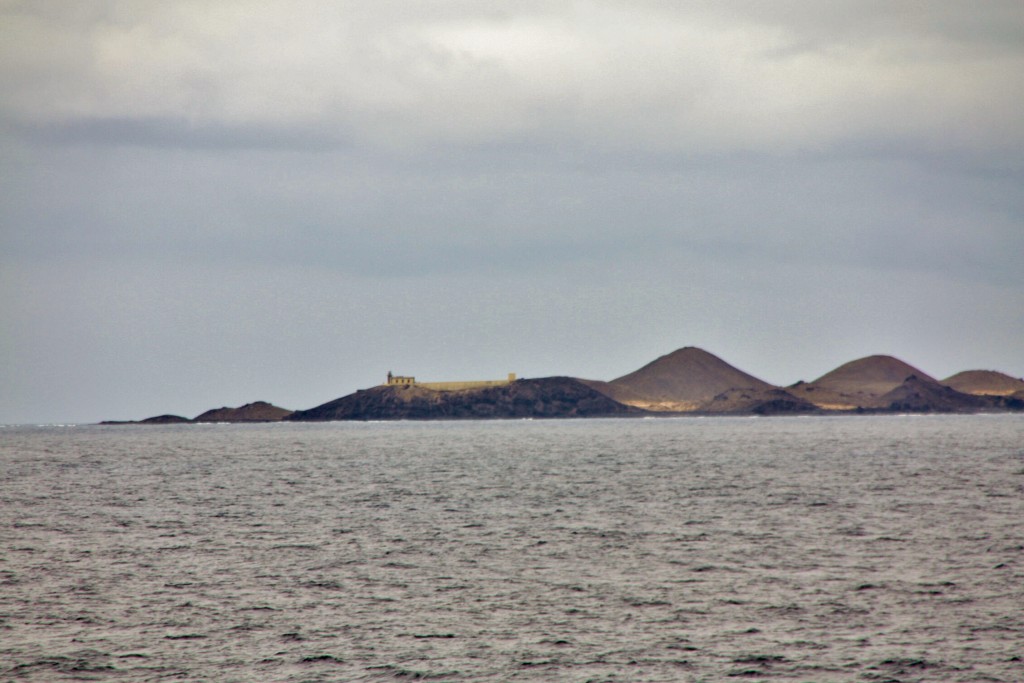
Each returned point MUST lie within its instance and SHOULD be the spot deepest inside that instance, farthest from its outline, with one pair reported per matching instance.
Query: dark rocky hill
(155, 420)
(538, 398)
(165, 420)
(924, 395)
(260, 411)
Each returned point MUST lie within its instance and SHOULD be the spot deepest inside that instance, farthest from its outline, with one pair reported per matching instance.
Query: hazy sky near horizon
(207, 204)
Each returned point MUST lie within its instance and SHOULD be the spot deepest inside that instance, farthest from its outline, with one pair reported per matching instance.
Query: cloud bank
(745, 176)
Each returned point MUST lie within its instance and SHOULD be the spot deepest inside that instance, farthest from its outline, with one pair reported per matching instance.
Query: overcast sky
(207, 204)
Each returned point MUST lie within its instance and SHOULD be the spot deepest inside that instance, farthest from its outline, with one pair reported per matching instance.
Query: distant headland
(688, 381)
(259, 411)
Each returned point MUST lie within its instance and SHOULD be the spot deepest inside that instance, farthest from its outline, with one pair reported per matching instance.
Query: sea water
(777, 549)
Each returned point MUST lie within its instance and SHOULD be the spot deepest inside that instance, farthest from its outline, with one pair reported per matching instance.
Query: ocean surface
(750, 549)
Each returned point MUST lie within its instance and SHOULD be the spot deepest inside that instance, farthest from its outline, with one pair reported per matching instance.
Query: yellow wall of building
(457, 386)
(451, 386)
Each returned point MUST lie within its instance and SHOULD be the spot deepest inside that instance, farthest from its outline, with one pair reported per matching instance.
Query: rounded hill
(985, 383)
(874, 375)
(858, 384)
(688, 374)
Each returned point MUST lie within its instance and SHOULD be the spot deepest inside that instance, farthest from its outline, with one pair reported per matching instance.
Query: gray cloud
(573, 187)
(172, 133)
(611, 75)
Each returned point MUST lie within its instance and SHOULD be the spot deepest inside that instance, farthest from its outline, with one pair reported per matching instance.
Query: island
(688, 381)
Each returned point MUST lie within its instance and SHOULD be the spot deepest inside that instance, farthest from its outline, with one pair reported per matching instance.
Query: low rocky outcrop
(925, 395)
(165, 420)
(259, 411)
(155, 420)
(1014, 401)
(550, 397)
(758, 401)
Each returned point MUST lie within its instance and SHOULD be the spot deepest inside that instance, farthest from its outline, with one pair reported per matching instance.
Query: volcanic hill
(857, 384)
(886, 383)
(687, 374)
(691, 379)
(985, 383)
